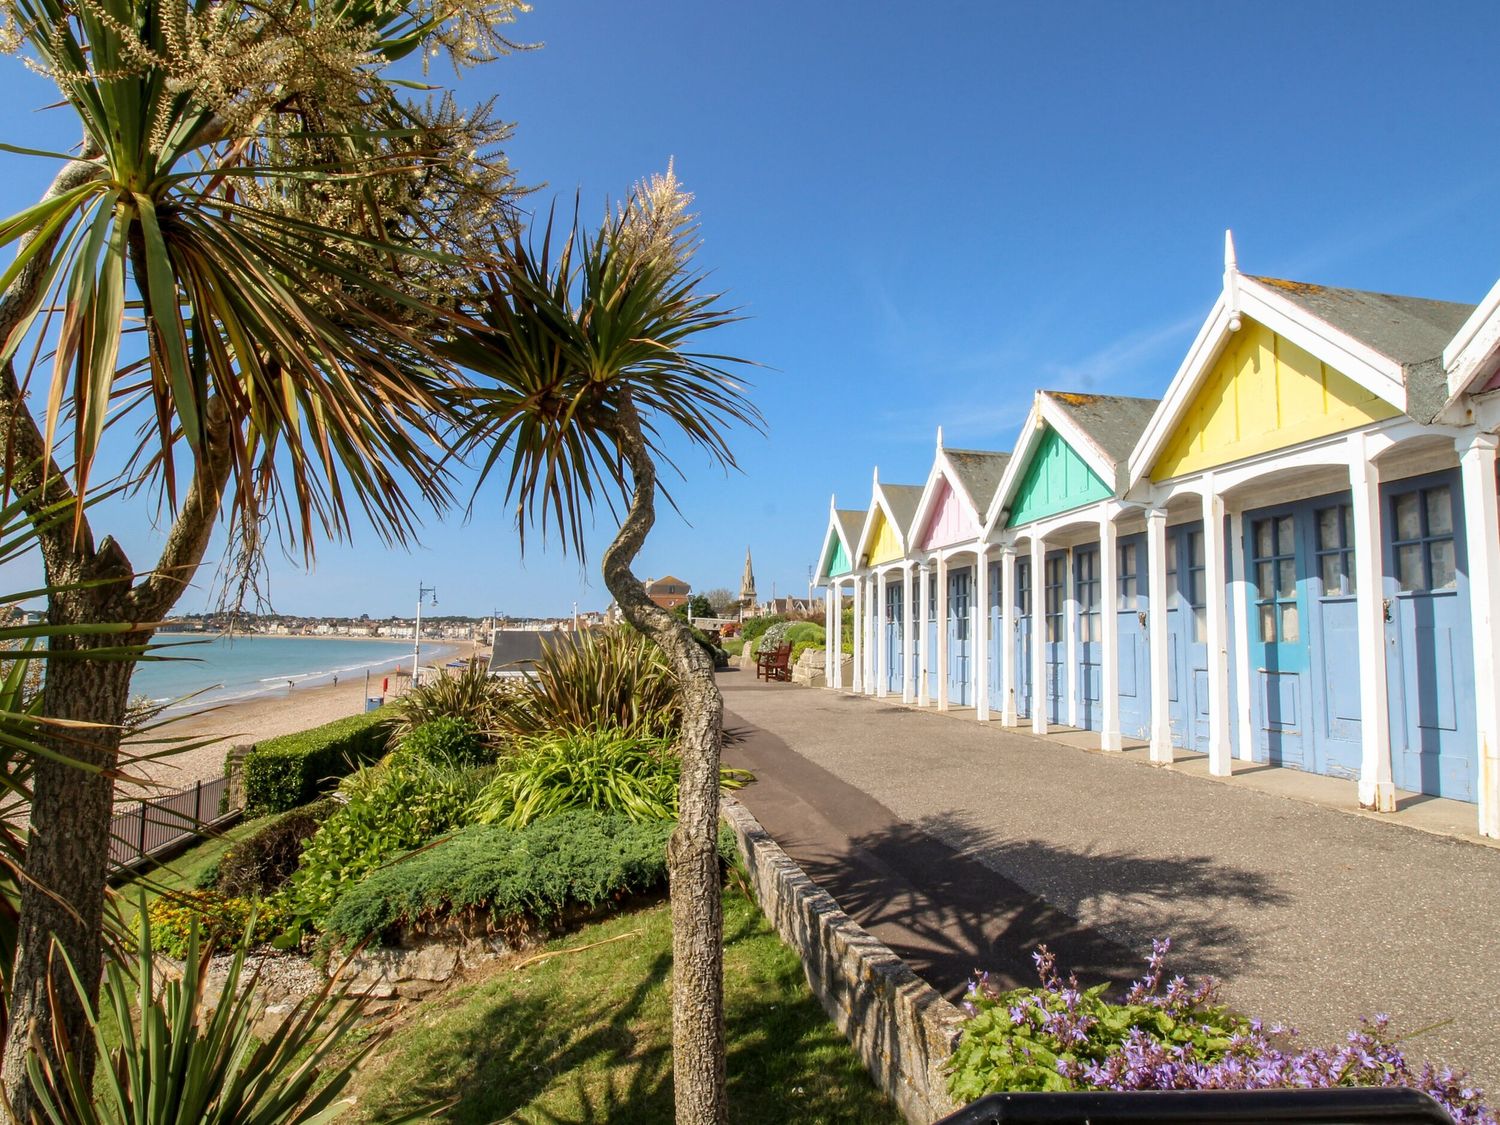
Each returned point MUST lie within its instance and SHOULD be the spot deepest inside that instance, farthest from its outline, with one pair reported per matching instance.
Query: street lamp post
(416, 652)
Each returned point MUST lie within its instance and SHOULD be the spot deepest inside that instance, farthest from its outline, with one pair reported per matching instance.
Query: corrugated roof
(979, 472)
(1413, 331)
(1115, 422)
(903, 499)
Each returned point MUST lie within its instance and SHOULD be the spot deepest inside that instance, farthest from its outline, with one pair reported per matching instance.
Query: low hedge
(502, 874)
(284, 773)
(263, 862)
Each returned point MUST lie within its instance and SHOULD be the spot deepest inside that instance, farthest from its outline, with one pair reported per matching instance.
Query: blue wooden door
(1055, 643)
(1278, 643)
(1334, 634)
(994, 640)
(1022, 654)
(1432, 722)
(932, 638)
(960, 644)
(1187, 653)
(1135, 659)
(1090, 647)
(895, 633)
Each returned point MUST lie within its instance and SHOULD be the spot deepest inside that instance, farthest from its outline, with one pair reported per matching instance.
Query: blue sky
(928, 211)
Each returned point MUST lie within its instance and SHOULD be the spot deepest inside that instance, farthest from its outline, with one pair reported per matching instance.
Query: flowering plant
(1172, 1037)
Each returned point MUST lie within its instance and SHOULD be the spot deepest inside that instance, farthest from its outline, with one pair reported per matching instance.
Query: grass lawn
(733, 645)
(183, 872)
(586, 1036)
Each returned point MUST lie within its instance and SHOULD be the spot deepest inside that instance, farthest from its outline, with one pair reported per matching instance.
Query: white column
(1038, 635)
(980, 634)
(1109, 635)
(1376, 789)
(942, 633)
(1244, 742)
(830, 637)
(1070, 627)
(924, 648)
(1008, 635)
(858, 635)
(1157, 637)
(1482, 521)
(871, 609)
(1216, 611)
(882, 640)
(908, 631)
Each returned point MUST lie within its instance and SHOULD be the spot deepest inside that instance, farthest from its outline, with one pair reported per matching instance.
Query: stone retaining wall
(900, 1026)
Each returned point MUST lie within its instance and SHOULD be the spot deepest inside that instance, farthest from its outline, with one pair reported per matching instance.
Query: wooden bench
(775, 665)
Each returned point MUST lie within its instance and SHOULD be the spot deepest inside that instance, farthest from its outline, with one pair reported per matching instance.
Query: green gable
(835, 558)
(1056, 480)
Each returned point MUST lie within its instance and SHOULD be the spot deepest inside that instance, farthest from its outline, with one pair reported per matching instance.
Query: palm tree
(584, 375)
(242, 258)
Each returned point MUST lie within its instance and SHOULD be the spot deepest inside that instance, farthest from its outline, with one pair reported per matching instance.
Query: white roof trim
(1377, 373)
(1466, 357)
(1046, 411)
(822, 577)
(877, 500)
(942, 469)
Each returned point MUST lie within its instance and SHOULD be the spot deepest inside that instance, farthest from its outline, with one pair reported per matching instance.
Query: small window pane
(1200, 626)
(1408, 517)
(1263, 579)
(1409, 567)
(1290, 629)
(1444, 570)
(1348, 525)
(1439, 512)
(1333, 579)
(1349, 584)
(1284, 538)
(1268, 624)
(1199, 586)
(1286, 582)
(1263, 546)
(1195, 547)
(1328, 529)
(1127, 560)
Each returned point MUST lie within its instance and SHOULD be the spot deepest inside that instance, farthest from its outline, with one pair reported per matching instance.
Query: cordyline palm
(584, 374)
(249, 191)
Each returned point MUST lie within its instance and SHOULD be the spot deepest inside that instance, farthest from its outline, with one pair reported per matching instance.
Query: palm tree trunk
(692, 855)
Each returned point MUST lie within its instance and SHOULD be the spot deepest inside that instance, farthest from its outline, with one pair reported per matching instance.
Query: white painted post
(1008, 635)
(1244, 741)
(858, 684)
(1157, 636)
(1070, 626)
(1038, 635)
(882, 639)
(870, 611)
(1218, 629)
(942, 633)
(1377, 790)
(980, 634)
(924, 647)
(1109, 635)
(1482, 521)
(830, 637)
(908, 630)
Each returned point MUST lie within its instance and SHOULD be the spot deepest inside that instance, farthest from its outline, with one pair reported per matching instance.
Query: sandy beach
(255, 720)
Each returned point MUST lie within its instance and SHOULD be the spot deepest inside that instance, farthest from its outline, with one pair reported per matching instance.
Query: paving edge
(901, 1027)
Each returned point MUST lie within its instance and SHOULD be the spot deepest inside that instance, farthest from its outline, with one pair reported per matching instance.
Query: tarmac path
(964, 845)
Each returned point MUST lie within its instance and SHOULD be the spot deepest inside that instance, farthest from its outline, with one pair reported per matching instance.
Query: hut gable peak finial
(940, 436)
(1231, 281)
(1231, 262)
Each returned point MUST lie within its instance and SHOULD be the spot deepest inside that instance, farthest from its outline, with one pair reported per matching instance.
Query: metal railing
(1388, 1106)
(154, 827)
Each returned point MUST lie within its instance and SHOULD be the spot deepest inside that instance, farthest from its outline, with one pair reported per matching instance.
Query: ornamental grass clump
(611, 678)
(606, 770)
(472, 696)
(1178, 1037)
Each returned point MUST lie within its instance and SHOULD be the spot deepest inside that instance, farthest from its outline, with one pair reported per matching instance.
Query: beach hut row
(1291, 558)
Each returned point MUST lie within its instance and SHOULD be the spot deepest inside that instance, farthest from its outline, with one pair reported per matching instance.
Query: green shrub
(263, 862)
(284, 773)
(772, 639)
(448, 740)
(614, 677)
(733, 646)
(394, 807)
(219, 919)
(802, 646)
(606, 771)
(502, 874)
(754, 627)
(472, 695)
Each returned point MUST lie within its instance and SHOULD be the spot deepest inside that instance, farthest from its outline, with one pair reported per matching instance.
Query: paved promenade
(964, 845)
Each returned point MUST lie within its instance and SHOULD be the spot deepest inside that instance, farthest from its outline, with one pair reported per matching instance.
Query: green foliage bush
(802, 646)
(472, 695)
(448, 740)
(754, 628)
(262, 863)
(284, 773)
(613, 677)
(394, 807)
(500, 873)
(220, 920)
(606, 771)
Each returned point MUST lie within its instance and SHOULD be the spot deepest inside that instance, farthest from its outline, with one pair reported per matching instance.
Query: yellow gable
(1264, 393)
(886, 546)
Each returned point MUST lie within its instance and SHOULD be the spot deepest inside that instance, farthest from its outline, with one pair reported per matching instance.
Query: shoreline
(256, 719)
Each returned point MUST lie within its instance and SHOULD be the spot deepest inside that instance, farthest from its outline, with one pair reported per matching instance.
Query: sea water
(210, 671)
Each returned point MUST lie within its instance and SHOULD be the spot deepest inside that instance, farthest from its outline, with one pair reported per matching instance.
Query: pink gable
(949, 522)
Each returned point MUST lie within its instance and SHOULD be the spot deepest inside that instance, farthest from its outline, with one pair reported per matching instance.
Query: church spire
(747, 583)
